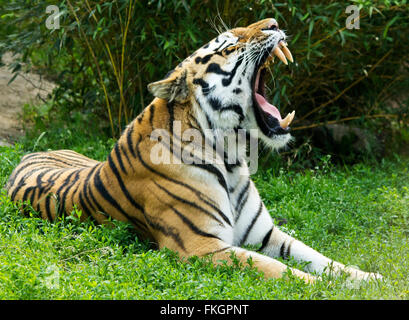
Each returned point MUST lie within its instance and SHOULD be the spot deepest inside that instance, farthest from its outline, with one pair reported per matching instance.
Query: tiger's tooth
(284, 122)
(292, 117)
(277, 51)
(287, 120)
(286, 51)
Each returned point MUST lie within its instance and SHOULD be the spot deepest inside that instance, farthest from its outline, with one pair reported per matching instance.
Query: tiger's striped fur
(197, 208)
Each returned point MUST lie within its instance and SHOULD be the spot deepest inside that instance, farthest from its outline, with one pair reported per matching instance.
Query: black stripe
(17, 171)
(33, 196)
(231, 166)
(152, 112)
(209, 121)
(171, 110)
(40, 182)
(282, 250)
(129, 140)
(25, 195)
(85, 188)
(75, 159)
(228, 51)
(168, 231)
(228, 81)
(218, 48)
(192, 204)
(240, 203)
(50, 181)
(212, 169)
(45, 165)
(47, 207)
(215, 68)
(99, 186)
(42, 158)
(69, 186)
(59, 153)
(96, 207)
(84, 207)
(219, 250)
(107, 196)
(122, 185)
(61, 206)
(192, 226)
(235, 108)
(246, 234)
(30, 155)
(22, 181)
(205, 86)
(118, 157)
(126, 156)
(266, 239)
(215, 103)
(17, 189)
(140, 117)
(241, 206)
(289, 248)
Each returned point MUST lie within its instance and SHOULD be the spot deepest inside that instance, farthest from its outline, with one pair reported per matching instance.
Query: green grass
(358, 215)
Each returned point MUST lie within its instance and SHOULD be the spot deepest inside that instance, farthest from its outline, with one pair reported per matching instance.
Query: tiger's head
(224, 82)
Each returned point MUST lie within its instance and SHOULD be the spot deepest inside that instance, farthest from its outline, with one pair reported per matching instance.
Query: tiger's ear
(172, 88)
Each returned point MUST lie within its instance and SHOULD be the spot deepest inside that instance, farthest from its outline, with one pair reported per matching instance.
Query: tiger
(199, 208)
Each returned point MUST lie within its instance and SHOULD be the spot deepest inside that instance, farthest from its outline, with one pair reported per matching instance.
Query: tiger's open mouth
(268, 117)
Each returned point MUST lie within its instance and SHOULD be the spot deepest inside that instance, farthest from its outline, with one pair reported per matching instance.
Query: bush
(106, 52)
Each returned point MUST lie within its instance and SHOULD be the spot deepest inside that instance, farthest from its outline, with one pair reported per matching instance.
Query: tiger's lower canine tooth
(287, 120)
(277, 51)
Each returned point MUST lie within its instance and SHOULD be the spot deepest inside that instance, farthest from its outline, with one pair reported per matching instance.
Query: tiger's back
(44, 178)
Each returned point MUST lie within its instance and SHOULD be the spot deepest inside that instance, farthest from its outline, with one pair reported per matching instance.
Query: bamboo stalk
(125, 33)
(140, 84)
(96, 65)
(119, 76)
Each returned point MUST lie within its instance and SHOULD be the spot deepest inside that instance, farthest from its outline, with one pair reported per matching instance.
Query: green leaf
(388, 25)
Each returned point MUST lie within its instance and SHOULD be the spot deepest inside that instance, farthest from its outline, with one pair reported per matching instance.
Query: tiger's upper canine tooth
(277, 51)
(287, 120)
(286, 51)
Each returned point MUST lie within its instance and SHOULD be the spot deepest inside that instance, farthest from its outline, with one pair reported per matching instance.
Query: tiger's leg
(220, 251)
(182, 230)
(276, 243)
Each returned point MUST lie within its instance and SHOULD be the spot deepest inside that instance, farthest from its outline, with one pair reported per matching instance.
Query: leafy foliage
(106, 52)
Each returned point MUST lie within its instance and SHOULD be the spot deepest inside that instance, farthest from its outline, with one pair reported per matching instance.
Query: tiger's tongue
(267, 107)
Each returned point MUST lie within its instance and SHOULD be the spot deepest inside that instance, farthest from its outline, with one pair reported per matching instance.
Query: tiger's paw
(356, 274)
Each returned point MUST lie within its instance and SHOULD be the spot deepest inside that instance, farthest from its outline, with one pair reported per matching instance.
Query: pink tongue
(269, 108)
